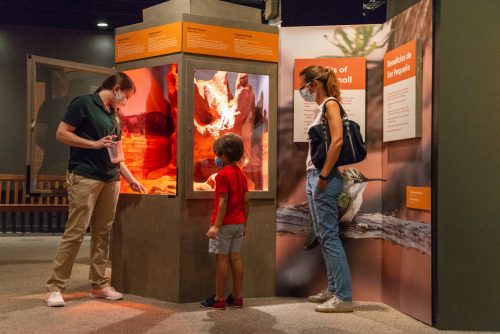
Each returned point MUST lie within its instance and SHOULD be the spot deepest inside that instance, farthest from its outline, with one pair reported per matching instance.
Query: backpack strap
(324, 123)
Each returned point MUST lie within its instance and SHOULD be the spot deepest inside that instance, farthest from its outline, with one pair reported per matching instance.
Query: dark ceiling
(84, 14)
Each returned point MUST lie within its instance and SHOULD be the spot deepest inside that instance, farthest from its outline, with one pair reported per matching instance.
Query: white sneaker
(335, 305)
(321, 296)
(54, 299)
(108, 293)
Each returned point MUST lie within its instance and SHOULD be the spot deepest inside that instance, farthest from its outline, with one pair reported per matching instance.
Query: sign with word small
(351, 76)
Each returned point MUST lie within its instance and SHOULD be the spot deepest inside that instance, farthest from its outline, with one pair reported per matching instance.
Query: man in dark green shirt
(92, 121)
(91, 126)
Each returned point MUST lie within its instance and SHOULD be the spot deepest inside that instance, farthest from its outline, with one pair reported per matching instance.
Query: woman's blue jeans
(324, 212)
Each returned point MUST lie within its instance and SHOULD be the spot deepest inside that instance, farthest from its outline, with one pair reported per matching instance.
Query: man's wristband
(323, 177)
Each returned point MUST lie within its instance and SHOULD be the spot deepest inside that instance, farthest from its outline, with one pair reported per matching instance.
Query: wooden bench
(40, 212)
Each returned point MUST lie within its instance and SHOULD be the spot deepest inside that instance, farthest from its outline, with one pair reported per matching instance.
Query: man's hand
(212, 232)
(244, 232)
(107, 141)
(137, 186)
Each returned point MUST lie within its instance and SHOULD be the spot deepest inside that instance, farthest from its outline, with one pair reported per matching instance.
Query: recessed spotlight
(102, 24)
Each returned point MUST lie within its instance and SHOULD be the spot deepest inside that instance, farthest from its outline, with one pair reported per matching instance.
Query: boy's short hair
(229, 145)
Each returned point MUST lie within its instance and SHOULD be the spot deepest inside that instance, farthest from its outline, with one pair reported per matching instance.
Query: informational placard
(351, 74)
(229, 42)
(196, 38)
(402, 115)
(418, 198)
(156, 41)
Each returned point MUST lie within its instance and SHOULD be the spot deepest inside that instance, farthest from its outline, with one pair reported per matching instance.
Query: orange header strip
(156, 41)
(351, 72)
(401, 63)
(229, 42)
(196, 38)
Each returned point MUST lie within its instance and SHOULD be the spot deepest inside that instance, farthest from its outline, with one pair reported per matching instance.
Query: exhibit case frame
(192, 65)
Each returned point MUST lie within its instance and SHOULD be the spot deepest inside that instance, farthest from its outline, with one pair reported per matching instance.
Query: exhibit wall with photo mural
(386, 227)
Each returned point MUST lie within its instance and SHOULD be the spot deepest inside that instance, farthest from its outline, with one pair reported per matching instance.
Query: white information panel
(402, 98)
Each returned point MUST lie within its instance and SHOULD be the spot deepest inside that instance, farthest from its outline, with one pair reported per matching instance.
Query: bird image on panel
(349, 201)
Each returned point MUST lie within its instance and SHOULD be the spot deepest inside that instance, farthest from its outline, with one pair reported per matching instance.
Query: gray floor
(25, 264)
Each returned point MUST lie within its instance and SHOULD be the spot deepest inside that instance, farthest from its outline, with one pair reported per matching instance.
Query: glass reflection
(55, 88)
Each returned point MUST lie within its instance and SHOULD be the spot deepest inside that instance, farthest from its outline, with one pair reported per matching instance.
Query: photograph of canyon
(149, 129)
(230, 102)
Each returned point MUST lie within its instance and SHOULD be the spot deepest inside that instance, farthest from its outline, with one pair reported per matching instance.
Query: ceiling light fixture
(102, 24)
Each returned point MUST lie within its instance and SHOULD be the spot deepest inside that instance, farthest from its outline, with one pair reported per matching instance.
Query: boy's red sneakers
(234, 302)
(210, 302)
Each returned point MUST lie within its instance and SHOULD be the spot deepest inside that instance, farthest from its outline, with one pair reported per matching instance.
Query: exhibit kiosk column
(201, 69)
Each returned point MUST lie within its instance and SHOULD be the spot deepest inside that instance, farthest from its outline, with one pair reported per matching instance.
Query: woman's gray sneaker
(335, 305)
(321, 296)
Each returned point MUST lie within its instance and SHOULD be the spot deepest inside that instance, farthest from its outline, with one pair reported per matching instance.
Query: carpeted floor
(25, 263)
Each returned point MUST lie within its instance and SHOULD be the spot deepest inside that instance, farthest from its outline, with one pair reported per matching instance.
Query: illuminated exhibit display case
(233, 102)
(149, 129)
(229, 98)
(223, 102)
(184, 101)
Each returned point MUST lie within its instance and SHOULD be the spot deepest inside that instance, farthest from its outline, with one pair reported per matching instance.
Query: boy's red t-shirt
(230, 179)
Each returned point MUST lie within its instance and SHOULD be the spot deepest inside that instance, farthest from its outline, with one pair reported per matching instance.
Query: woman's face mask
(306, 94)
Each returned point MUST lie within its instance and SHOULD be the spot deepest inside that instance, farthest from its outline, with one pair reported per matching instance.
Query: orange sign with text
(418, 198)
(229, 42)
(351, 72)
(196, 38)
(156, 41)
(400, 63)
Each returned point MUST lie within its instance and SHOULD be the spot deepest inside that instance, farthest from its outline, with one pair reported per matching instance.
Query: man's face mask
(120, 99)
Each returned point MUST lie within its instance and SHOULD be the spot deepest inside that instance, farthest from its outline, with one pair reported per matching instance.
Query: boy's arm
(221, 213)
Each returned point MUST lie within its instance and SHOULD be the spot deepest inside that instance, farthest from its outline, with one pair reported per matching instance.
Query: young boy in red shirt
(228, 222)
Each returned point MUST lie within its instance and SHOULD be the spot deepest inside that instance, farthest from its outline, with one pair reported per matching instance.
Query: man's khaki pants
(90, 202)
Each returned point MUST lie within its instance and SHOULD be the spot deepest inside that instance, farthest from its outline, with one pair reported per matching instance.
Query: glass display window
(149, 129)
(230, 102)
(52, 85)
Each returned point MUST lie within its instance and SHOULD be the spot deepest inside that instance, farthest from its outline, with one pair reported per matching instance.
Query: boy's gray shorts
(228, 240)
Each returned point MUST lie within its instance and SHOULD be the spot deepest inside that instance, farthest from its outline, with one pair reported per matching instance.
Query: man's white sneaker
(321, 296)
(335, 305)
(54, 299)
(107, 293)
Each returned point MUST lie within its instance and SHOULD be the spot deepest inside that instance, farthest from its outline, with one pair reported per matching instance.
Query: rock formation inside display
(217, 112)
(149, 129)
